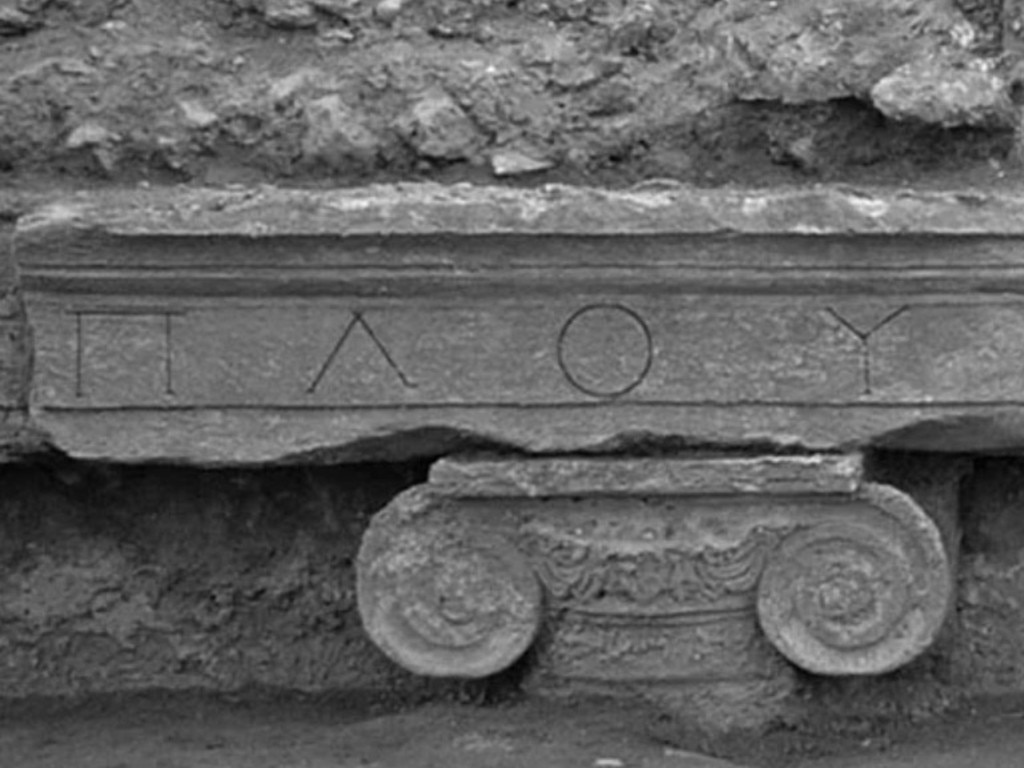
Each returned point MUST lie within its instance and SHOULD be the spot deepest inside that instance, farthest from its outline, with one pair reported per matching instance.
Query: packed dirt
(279, 731)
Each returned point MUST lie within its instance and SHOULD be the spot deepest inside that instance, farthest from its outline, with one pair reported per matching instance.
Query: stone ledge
(423, 209)
(477, 477)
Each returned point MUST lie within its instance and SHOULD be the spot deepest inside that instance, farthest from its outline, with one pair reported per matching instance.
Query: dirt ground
(189, 731)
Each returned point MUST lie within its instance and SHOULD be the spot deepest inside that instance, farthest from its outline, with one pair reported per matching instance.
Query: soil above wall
(612, 92)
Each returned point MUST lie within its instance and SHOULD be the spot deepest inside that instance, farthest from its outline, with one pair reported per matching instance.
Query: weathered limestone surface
(678, 583)
(267, 325)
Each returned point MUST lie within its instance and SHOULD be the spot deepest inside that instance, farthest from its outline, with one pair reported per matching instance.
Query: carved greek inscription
(151, 326)
(605, 350)
(862, 329)
(358, 321)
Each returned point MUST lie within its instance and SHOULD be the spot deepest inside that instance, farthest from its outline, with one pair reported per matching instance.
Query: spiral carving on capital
(445, 600)
(859, 595)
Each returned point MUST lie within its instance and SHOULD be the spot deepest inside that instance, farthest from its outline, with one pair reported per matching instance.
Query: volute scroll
(861, 596)
(445, 599)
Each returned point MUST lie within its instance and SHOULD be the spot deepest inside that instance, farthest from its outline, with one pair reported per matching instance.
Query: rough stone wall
(613, 91)
(991, 606)
(119, 579)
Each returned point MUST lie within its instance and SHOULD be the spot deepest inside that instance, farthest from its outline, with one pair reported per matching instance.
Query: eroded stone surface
(669, 583)
(224, 327)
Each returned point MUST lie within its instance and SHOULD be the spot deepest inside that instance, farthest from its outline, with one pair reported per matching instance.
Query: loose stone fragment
(330, 37)
(336, 7)
(290, 13)
(510, 162)
(438, 128)
(388, 10)
(337, 136)
(14, 21)
(99, 141)
(90, 135)
(836, 49)
(939, 91)
(196, 115)
(289, 86)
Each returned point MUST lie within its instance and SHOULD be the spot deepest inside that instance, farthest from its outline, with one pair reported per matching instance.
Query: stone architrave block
(265, 325)
(687, 580)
